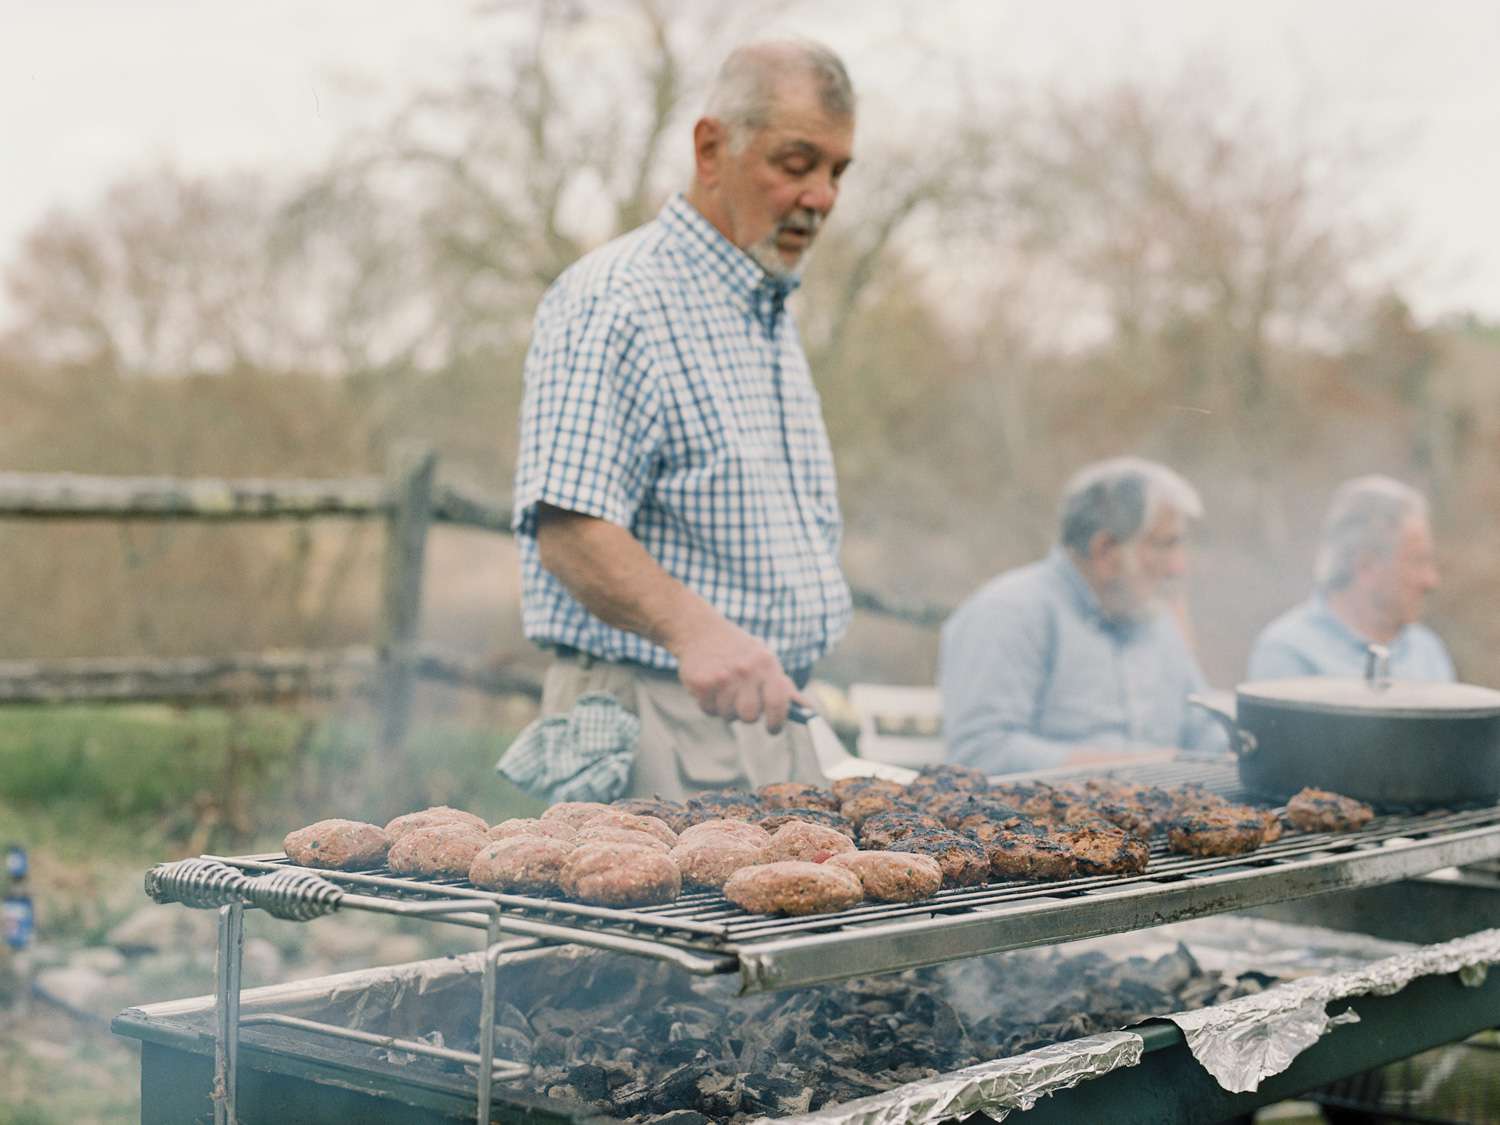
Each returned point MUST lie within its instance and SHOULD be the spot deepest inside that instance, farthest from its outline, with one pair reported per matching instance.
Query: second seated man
(1375, 567)
(1080, 657)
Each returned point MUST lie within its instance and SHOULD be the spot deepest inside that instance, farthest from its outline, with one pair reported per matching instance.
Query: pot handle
(1223, 706)
(1378, 666)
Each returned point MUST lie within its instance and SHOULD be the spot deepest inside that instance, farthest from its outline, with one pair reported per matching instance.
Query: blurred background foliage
(1016, 281)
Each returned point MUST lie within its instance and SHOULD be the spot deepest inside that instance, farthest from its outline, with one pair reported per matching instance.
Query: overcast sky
(94, 89)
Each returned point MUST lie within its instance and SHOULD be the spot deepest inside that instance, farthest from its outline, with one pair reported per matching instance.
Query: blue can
(17, 920)
(16, 862)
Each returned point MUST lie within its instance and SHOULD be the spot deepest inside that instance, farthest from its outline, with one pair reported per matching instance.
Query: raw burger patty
(740, 830)
(610, 874)
(523, 864)
(651, 825)
(707, 862)
(345, 844)
(531, 826)
(799, 840)
(441, 814)
(793, 887)
(892, 876)
(442, 849)
(573, 813)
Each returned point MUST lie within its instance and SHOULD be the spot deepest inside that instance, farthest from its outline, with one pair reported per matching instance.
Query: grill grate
(776, 952)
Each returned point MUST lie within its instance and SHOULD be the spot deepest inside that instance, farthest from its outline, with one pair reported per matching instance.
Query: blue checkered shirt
(667, 392)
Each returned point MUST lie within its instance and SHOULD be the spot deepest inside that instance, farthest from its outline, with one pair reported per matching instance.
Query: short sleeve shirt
(667, 393)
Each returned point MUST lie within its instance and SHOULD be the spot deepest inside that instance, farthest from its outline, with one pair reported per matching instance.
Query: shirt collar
(1085, 601)
(1324, 615)
(713, 255)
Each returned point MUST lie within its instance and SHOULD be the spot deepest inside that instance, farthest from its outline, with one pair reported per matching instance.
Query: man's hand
(733, 675)
(728, 671)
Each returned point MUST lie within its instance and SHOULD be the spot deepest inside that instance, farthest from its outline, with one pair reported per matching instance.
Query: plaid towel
(584, 755)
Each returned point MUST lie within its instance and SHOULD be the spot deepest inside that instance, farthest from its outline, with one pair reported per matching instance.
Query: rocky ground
(58, 1060)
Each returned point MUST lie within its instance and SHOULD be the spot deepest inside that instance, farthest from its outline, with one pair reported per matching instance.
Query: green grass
(98, 794)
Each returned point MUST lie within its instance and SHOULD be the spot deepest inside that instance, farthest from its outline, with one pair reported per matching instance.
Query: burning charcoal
(590, 1081)
(513, 1034)
(774, 1095)
(1171, 971)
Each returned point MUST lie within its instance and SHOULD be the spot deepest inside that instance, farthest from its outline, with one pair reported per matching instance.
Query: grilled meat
(955, 808)
(772, 821)
(893, 876)
(950, 775)
(1103, 849)
(797, 839)
(1317, 810)
(882, 830)
(797, 795)
(1030, 854)
(847, 787)
(862, 806)
(1230, 830)
(342, 844)
(673, 814)
(1037, 800)
(616, 874)
(726, 804)
(963, 860)
(793, 887)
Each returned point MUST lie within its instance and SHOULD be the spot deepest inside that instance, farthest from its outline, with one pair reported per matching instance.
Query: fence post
(410, 479)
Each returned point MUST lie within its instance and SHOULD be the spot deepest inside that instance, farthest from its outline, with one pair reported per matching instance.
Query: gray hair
(1364, 519)
(1121, 496)
(743, 96)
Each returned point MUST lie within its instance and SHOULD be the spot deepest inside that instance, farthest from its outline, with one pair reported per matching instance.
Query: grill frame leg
(228, 962)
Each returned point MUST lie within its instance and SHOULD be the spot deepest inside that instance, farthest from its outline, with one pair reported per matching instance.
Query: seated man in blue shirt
(1374, 570)
(1077, 657)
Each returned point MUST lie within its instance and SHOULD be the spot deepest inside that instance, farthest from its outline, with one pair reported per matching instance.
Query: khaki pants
(682, 750)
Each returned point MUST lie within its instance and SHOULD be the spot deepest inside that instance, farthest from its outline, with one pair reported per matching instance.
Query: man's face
(1149, 567)
(772, 196)
(1399, 584)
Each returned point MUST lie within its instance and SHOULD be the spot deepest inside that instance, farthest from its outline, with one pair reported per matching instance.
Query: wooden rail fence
(409, 500)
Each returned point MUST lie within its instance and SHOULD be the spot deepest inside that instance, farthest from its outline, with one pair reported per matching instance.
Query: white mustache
(806, 221)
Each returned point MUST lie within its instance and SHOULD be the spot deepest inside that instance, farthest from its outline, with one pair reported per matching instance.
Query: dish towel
(584, 755)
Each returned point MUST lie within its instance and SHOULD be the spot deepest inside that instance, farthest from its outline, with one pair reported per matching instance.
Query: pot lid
(1416, 698)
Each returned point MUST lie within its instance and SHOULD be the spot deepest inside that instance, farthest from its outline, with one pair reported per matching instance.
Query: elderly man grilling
(1374, 570)
(675, 502)
(1077, 658)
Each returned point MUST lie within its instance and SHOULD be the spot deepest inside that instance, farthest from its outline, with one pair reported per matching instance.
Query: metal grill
(705, 934)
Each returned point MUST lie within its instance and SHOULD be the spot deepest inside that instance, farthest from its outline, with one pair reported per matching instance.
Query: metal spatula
(833, 759)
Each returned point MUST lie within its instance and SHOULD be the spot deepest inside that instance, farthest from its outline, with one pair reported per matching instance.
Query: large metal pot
(1390, 742)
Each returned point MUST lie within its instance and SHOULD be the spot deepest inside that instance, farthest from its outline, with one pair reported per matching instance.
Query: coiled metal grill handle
(203, 883)
(298, 896)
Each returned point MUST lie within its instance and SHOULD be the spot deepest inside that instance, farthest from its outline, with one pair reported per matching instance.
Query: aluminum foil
(1245, 1041)
(993, 1088)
